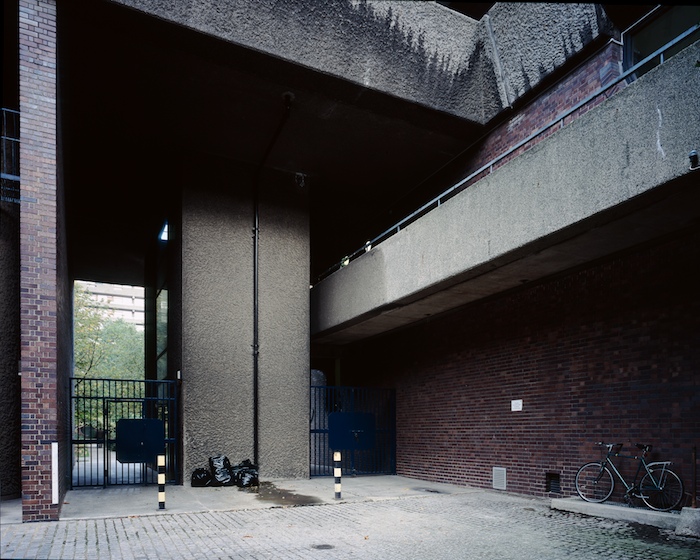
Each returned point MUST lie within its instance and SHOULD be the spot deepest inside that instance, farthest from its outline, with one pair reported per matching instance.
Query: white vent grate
(499, 478)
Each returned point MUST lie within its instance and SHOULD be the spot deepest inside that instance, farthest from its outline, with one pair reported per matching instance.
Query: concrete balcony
(616, 177)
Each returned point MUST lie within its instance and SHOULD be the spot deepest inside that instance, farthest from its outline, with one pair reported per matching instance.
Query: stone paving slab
(124, 501)
(473, 524)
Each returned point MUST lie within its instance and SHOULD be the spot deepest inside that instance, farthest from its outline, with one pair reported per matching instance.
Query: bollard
(161, 481)
(336, 473)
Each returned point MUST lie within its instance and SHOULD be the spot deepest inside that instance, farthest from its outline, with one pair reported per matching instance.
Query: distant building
(123, 302)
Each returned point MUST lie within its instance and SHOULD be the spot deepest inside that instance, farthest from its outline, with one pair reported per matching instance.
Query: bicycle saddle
(643, 447)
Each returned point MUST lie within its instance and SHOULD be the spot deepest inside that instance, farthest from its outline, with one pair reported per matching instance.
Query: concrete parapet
(579, 195)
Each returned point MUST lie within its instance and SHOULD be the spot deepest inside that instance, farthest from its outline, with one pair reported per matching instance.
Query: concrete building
(123, 302)
(493, 203)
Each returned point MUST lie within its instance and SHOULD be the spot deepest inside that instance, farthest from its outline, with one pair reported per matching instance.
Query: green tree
(104, 348)
(89, 317)
(123, 351)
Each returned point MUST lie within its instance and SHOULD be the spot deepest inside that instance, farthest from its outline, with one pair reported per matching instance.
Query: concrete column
(217, 323)
(217, 316)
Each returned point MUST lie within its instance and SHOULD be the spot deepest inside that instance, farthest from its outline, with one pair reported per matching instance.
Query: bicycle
(660, 488)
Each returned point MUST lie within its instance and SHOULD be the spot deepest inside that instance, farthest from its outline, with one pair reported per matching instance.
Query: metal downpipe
(287, 98)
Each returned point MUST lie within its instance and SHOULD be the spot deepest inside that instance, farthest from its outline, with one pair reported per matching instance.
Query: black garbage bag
(245, 474)
(201, 478)
(220, 468)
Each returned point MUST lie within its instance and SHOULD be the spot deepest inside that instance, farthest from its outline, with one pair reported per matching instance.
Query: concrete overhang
(387, 95)
(398, 48)
(154, 102)
(420, 52)
(616, 177)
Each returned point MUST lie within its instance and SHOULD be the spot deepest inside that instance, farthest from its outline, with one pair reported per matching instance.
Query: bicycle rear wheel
(664, 491)
(594, 483)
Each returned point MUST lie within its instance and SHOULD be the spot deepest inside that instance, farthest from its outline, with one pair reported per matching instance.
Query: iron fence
(375, 452)
(97, 405)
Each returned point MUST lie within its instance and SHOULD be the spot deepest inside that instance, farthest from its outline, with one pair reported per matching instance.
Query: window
(655, 30)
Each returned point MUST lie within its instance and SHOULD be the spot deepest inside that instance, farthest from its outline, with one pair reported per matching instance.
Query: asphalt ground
(376, 517)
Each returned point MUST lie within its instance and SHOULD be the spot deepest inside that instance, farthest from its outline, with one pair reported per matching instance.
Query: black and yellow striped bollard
(161, 481)
(336, 473)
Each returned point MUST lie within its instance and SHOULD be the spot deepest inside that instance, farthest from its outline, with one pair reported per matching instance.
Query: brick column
(38, 254)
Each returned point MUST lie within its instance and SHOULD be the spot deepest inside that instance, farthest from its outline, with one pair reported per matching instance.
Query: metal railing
(10, 144)
(97, 406)
(558, 120)
(379, 455)
(9, 157)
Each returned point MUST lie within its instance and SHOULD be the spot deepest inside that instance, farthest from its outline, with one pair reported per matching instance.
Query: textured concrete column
(38, 255)
(217, 311)
(284, 332)
(217, 318)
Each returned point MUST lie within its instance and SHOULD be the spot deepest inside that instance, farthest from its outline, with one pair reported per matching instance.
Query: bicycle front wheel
(662, 490)
(594, 483)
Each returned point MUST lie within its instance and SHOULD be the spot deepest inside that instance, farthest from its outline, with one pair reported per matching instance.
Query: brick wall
(38, 255)
(606, 353)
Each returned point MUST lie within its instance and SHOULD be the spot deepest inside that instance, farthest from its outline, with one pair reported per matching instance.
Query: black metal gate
(97, 406)
(358, 421)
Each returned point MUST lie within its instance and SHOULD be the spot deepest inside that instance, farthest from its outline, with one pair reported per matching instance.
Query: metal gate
(97, 406)
(358, 421)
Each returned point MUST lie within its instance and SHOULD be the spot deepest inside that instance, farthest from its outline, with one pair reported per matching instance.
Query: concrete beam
(617, 176)
(418, 51)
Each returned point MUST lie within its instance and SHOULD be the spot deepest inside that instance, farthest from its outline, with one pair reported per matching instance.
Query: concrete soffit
(473, 71)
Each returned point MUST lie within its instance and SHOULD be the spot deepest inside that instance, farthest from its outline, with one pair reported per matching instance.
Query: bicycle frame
(658, 483)
(659, 487)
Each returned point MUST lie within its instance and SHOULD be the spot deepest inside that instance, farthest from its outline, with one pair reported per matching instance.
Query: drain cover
(322, 546)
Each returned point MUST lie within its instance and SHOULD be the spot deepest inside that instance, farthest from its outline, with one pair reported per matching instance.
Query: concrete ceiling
(141, 98)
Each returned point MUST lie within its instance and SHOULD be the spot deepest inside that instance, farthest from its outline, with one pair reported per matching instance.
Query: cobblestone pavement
(476, 525)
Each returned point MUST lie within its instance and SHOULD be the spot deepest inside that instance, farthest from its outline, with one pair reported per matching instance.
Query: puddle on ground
(646, 532)
(268, 492)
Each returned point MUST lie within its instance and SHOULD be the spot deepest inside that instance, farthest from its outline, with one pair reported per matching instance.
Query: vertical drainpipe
(287, 97)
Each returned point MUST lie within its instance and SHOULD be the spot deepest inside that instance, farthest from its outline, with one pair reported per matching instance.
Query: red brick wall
(606, 353)
(38, 255)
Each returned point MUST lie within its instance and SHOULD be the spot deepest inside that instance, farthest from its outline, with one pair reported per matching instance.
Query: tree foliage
(89, 317)
(104, 347)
